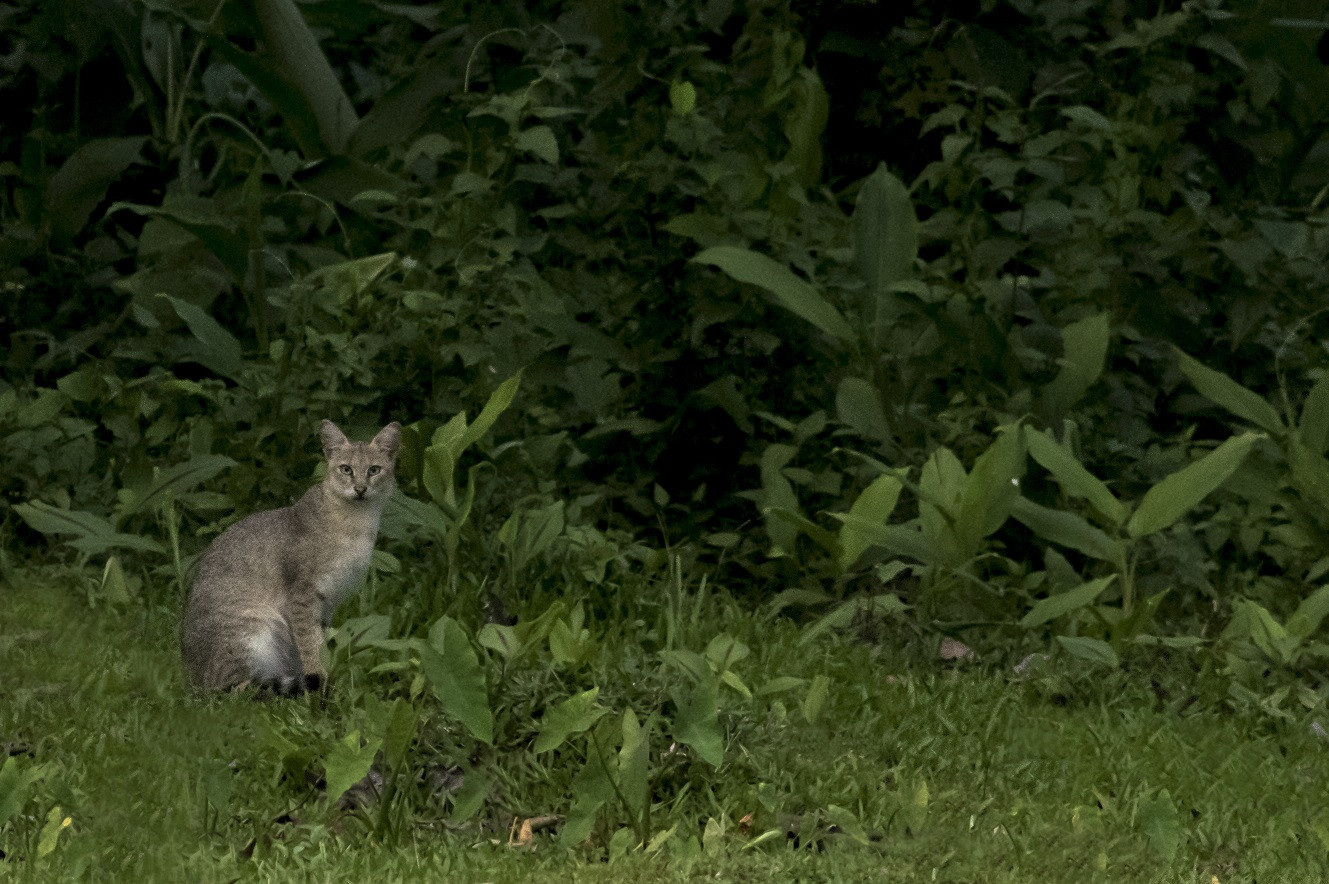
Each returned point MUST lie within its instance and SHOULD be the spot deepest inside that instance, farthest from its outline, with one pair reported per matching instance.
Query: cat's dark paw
(268, 689)
(315, 682)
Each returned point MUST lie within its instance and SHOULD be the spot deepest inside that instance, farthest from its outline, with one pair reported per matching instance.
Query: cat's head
(361, 471)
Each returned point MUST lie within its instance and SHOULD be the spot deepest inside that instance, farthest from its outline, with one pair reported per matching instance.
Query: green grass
(1051, 780)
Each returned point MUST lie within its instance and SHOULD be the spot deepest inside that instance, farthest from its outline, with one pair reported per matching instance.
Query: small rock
(952, 650)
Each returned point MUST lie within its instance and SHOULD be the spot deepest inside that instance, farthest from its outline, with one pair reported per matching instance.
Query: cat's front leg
(306, 623)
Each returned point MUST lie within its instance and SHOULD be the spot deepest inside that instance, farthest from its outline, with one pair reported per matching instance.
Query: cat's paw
(315, 682)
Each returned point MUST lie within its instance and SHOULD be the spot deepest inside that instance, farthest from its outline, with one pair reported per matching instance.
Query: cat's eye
(345, 468)
(375, 470)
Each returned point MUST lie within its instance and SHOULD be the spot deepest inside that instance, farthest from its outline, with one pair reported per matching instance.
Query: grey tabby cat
(265, 589)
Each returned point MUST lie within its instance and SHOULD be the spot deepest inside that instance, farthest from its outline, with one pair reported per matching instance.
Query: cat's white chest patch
(345, 572)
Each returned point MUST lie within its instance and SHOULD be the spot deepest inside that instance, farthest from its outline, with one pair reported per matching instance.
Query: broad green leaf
(696, 723)
(858, 406)
(1252, 621)
(42, 516)
(661, 838)
(730, 678)
(405, 108)
(633, 765)
(789, 291)
(351, 279)
(56, 822)
(1160, 824)
(114, 585)
(903, 540)
(347, 763)
(691, 663)
(1071, 476)
(16, 783)
(592, 787)
(778, 494)
(1092, 650)
(399, 732)
(848, 823)
(540, 141)
(93, 534)
(401, 511)
(682, 97)
(940, 485)
(95, 545)
(354, 183)
(581, 816)
(1313, 428)
(815, 698)
(500, 638)
(84, 385)
(1084, 344)
(564, 647)
(1087, 117)
(984, 503)
(572, 716)
(216, 348)
(471, 797)
(804, 125)
(439, 477)
(875, 504)
(41, 409)
(81, 182)
(536, 630)
(173, 480)
(839, 617)
(724, 651)
(885, 239)
(285, 97)
(1309, 614)
(622, 841)
(293, 54)
(916, 811)
(1135, 625)
(1171, 498)
(804, 598)
(217, 784)
(887, 604)
(1227, 393)
(1062, 603)
(1068, 529)
(201, 218)
(450, 664)
(451, 434)
(528, 534)
(779, 685)
(499, 401)
(819, 535)
(1310, 471)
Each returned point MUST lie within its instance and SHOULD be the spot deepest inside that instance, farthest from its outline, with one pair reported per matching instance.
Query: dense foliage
(1001, 321)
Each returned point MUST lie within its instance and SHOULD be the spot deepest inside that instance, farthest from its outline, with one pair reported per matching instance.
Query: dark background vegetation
(221, 223)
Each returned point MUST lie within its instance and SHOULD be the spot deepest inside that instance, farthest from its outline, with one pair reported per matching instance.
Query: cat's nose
(360, 490)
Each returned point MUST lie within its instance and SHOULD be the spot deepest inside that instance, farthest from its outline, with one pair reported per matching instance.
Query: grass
(953, 774)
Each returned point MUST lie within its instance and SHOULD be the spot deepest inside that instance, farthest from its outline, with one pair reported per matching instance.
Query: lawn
(912, 770)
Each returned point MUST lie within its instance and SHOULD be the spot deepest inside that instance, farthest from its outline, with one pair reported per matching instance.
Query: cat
(265, 589)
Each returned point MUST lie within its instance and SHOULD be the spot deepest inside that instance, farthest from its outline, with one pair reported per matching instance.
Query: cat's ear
(388, 440)
(331, 436)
